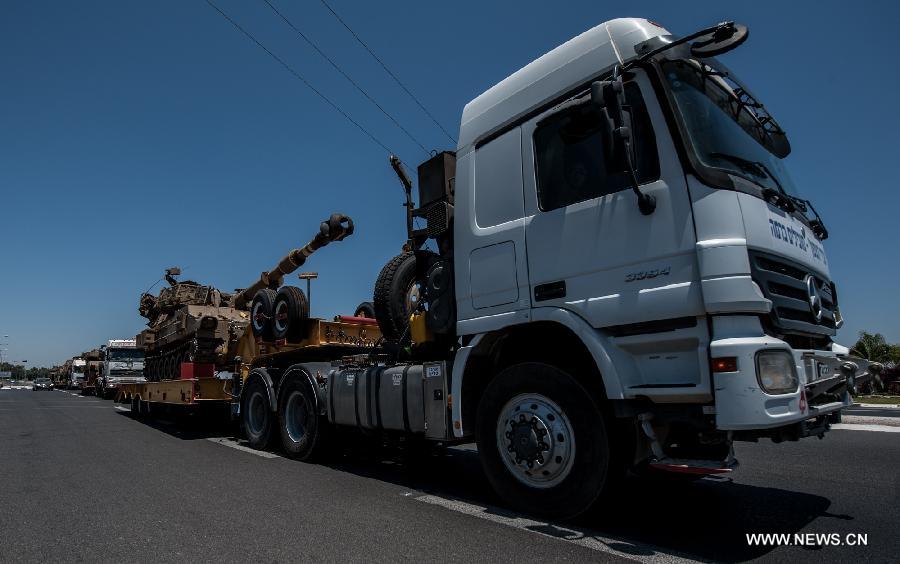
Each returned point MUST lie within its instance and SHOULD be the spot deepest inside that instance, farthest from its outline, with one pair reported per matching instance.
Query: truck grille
(784, 282)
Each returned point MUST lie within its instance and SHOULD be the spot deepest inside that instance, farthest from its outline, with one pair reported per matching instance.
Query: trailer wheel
(303, 430)
(542, 441)
(289, 313)
(261, 311)
(256, 416)
(397, 294)
(365, 309)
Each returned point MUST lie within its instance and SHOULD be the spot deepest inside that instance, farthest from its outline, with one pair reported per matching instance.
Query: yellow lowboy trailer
(323, 341)
(201, 387)
(182, 392)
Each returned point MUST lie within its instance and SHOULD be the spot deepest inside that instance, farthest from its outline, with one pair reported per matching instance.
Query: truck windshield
(725, 131)
(125, 354)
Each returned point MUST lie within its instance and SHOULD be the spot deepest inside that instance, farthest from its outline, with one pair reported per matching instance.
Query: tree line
(875, 347)
(19, 372)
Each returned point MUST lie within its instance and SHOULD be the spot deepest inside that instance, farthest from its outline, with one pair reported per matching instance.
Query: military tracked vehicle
(187, 322)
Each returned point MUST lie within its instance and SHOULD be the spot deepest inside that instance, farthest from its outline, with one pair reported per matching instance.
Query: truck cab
(123, 363)
(76, 376)
(624, 224)
(721, 297)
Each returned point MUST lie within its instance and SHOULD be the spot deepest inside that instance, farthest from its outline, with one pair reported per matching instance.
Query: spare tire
(397, 294)
(365, 309)
(290, 311)
(261, 309)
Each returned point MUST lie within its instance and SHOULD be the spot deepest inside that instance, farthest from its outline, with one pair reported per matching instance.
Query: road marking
(878, 405)
(582, 537)
(864, 427)
(120, 408)
(231, 443)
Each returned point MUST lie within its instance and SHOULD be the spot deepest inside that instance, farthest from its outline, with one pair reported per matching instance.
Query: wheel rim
(296, 414)
(281, 317)
(258, 317)
(413, 296)
(256, 413)
(535, 440)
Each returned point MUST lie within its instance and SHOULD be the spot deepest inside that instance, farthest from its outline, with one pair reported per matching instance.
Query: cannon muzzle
(336, 228)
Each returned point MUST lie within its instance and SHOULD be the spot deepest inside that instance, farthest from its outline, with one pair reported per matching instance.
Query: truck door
(589, 248)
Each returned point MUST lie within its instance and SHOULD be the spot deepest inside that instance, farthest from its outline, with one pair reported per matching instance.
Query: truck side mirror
(609, 98)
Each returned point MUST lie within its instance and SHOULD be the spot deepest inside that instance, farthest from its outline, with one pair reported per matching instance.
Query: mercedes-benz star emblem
(815, 302)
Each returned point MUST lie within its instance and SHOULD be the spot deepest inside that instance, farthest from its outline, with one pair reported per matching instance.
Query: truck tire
(261, 310)
(365, 309)
(397, 294)
(542, 441)
(256, 417)
(303, 431)
(289, 314)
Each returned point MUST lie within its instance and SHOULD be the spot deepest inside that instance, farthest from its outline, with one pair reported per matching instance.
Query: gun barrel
(336, 228)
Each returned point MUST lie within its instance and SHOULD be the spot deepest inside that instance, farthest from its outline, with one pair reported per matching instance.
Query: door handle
(550, 291)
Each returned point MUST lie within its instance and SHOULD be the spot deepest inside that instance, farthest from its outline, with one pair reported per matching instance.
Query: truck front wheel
(542, 441)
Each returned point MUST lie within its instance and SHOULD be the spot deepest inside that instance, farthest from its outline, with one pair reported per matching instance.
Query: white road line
(120, 408)
(864, 427)
(588, 539)
(878, 405)
(231, 443)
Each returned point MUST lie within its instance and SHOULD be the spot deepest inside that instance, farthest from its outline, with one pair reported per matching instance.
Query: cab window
(569, 154)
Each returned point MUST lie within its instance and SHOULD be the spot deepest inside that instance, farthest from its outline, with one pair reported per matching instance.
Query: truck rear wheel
(303, 430)
(257, 418)
(542, 441)
(289, 313)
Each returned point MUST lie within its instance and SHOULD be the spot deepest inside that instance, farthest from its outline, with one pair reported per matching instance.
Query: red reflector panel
(724, 364)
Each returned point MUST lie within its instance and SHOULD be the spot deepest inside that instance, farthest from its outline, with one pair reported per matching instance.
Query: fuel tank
(409, 398)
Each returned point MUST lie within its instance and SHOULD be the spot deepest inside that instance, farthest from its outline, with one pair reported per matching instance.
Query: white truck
(76, 374)
(626, 277)
(123, 363)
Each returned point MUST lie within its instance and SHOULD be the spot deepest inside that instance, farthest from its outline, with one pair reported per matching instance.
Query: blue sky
(135, 136)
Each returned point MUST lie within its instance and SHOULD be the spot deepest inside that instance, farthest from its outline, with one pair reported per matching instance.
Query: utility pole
(309, 277)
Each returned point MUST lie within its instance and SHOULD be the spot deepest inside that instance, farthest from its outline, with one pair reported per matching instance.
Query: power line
(291, 70)
(345, 75)
(387, 70)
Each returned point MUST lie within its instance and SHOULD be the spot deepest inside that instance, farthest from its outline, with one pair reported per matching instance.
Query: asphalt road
(82, 481)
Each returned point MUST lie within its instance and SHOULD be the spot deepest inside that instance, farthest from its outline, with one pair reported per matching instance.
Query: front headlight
(775, 372)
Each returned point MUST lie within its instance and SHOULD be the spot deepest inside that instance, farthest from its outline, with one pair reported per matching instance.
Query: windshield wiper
(778, 197)
(783, 200)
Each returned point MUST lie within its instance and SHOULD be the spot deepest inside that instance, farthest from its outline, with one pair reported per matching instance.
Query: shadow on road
(705, 520)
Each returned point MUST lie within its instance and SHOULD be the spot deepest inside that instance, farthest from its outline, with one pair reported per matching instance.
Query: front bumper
(742, 404)
(115, 384)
